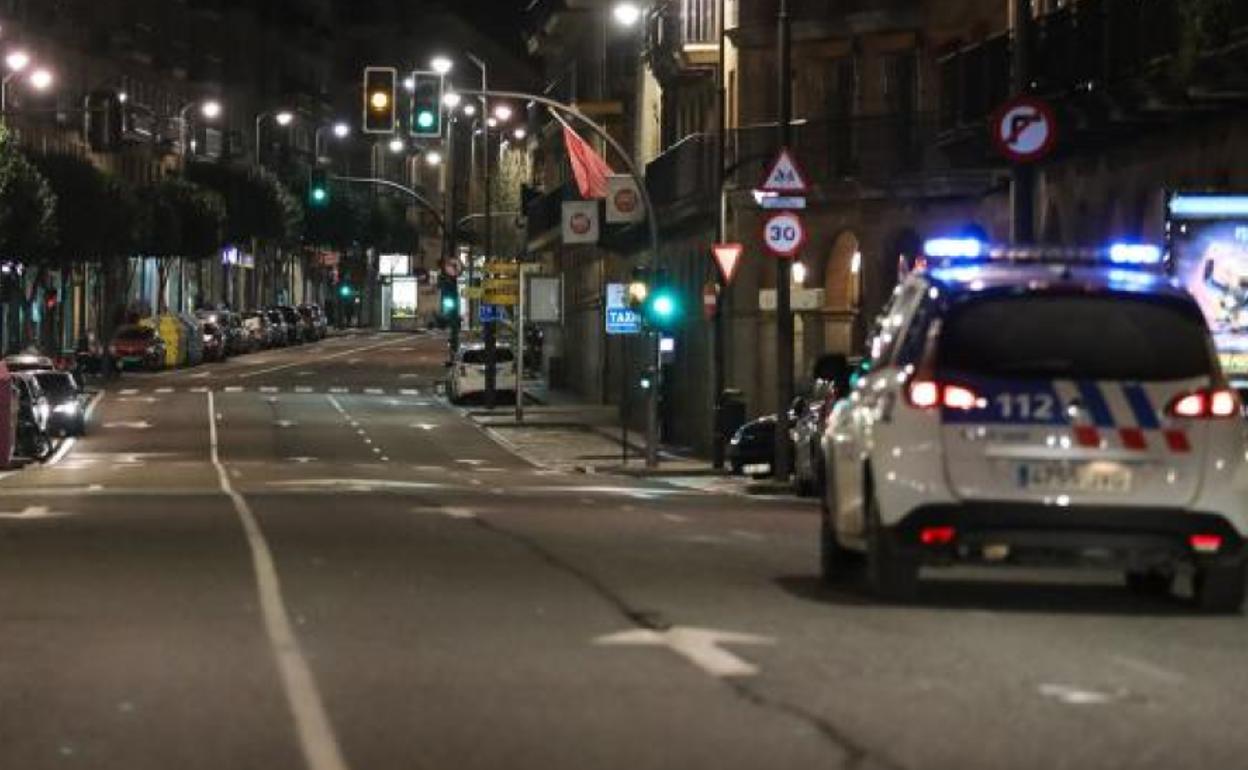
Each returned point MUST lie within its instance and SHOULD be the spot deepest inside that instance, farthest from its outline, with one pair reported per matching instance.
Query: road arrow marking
(700, 646)
(424, 426)
(32, 512)
(1077, 696)
(139, 425)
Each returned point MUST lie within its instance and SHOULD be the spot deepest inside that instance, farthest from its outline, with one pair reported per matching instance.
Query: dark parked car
(315, 320)
(281, 331)
(137, 346)
(259, 330)
(216, 345)
(68, 402)
(33, 414)
(296, 328)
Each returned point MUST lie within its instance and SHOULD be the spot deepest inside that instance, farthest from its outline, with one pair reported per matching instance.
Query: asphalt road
(306, 559)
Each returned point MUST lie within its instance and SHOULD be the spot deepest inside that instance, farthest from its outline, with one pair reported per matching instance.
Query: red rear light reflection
(1205, 543)
(927, 394)
(937, 535)
(1205, 405)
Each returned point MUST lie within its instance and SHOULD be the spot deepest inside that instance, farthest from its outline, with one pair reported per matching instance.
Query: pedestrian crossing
(270, 390)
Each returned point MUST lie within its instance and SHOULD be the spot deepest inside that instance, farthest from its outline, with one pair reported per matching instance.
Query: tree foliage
(97, 214)
(257, 205)
(27, 205)
(180, 219)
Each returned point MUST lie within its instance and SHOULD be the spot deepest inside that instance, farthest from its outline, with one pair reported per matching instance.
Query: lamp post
(40, 80)
(489, 239)
(283, 118)
(341, 131)
(210, 109)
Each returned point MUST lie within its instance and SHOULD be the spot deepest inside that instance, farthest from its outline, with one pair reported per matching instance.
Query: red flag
(588, 166)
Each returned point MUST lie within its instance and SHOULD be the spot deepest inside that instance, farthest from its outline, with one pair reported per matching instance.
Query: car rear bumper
(1034, 533)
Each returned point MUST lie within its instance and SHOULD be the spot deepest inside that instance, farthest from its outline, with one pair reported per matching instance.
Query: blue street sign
(621, 319)
(489, 313)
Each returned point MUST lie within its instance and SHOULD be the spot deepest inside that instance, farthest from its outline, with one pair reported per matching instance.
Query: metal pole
(450, 233)
(784, 314)
(489, 328)
(259, 118)
(1023, 179)
(721, 229)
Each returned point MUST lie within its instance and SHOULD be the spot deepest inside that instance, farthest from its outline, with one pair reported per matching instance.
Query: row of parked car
(214, 335)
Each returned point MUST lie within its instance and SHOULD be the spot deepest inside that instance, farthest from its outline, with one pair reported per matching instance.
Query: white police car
(1040, 406)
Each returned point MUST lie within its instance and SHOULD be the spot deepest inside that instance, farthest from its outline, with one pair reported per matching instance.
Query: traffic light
(448, 290)
(426, 111)
(380, 86)
(50, 300)
(663, 309)
(345, 291)
(318, 188)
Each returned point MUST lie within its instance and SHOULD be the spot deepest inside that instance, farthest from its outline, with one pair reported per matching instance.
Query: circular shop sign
(1024, 129)
(784, 234)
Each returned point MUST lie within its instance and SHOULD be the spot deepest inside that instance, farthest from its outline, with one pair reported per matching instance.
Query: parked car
(256, 326)
(68, 401)
(280, 331)
(137, 346)
(753, 447)
(28, 362)
(296, 327)
(468, 372)
(315, 320)
(216, 346)
(33, 415)
(832, 374)
(232, 331)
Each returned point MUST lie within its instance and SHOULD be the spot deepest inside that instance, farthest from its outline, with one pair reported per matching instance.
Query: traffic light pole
(567, 110)
(784, 314)
(1023, 177)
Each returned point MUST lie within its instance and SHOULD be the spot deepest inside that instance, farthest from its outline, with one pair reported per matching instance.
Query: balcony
(856, 155)
(681, 181)
(1110, 64)
(683, 36)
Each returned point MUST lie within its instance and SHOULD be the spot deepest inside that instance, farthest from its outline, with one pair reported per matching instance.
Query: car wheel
(893, 574)
(43, 447)
(1153, 582)
(80, 429)
(1220, 589)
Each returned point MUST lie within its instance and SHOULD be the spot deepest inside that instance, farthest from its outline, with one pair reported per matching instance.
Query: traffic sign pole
(784, 315)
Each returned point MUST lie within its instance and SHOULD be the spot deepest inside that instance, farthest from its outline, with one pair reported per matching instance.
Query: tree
(96, 214)
(27, 206)
(180, 220)
(257, 204)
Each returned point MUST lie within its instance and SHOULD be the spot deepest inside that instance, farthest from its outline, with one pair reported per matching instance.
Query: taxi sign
(498, 267)
(785, 177)
(621, 318)
(1024, 129)
(784, 234)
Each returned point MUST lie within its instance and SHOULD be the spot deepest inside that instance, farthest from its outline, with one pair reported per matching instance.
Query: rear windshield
(501, 355)
(56, 384)
(1085, 337)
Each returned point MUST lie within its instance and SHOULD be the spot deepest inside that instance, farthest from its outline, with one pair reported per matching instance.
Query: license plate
(757, 469)
(1108, 478)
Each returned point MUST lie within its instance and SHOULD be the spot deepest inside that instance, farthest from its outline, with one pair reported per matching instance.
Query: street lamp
(41, 79)
(397, 145)
(433, 158)
(341, 131)
(441, 65)
(503, 112)
(626, 14)
(209, 108)
(520, 134)
(470, 110)
(17, 61)
(799, 273)
(282, 117)
(409, 83)
(452, 100)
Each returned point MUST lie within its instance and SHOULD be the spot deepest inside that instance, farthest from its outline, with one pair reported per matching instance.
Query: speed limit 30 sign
(784, 234)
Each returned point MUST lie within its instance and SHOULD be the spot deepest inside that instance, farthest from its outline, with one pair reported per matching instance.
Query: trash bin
(729, 417)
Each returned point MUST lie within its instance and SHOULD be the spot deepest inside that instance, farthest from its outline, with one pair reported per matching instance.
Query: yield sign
(727, 256)
(785, 177)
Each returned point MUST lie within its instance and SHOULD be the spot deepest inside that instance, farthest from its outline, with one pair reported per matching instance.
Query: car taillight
(1207, 404)
(928, 394)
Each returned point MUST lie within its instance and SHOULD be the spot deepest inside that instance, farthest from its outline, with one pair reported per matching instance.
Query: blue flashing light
(1209, 206)
(1135, 254)
(955, 248)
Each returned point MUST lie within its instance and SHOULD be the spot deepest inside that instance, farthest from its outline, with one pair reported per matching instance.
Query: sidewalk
(559, 431)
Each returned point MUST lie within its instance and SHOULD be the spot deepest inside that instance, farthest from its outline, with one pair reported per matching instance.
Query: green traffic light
(344, 291)
(448, 305)
(425, 119)
(319, 195)
(664, 306)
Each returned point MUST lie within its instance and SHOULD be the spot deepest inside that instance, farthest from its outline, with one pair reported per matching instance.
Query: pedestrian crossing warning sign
(785, 176)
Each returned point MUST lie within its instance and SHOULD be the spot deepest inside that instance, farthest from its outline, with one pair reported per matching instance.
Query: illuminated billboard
(1209, 250)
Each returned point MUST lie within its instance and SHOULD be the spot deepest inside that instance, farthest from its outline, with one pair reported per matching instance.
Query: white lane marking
(409, 392)
(1077, 696)
(128, 391)
(303, 389)
(199, 390)
(374, 391)
(384, 459)
(302, 460)
(33, 512)
(334, 403)
(234, 389)
(471, 462)
(339, 391)
(1149, 669)
(137, 399)
(135, 425)
(164, 390)
(68, 444)
(745, 534)
(268, 389)
(675, 518)
(315, 360)
(354, 485)
(201, 375)
(424, 425)
(459, 513)
(312, 725)
(409, 376)
(700, 646)
(285, 423)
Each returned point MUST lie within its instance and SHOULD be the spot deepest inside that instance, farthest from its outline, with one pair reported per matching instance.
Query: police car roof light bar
(1208, 206)
(1122, 255)
(955, 248)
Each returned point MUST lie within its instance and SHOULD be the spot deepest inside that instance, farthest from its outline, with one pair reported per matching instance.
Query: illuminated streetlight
(211, 109)
(626, 14)
(520, 134)
(397, 146)
(503, 112)
(441, 65)
(122, 97)
(41, 79)
(409, 83)
(284, 118)
(433, 158)
(342, 130)
(799, 273)
(470, 110)
(17, 61)
(491, 122)
(452, 99)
